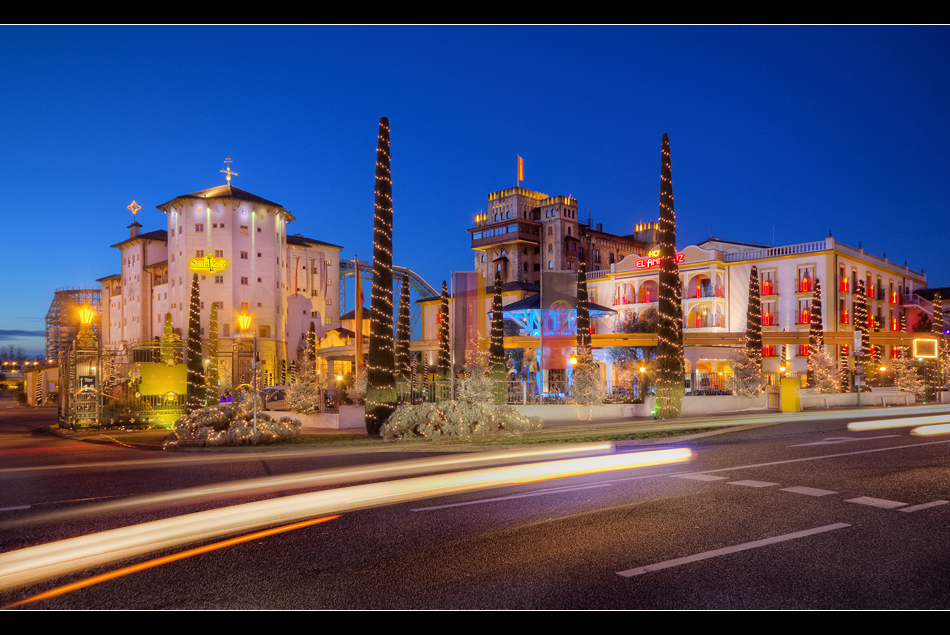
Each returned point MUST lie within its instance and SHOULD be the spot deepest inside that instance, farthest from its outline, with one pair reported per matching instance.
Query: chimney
(134, 229)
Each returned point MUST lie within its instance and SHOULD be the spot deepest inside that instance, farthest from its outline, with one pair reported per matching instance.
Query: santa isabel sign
(208, 264)
(653, 260)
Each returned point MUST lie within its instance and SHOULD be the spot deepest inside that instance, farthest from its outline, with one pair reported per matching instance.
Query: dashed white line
(629, 573)
(808, 491)
(700, 477)
(752, 483)
(914, 508)
(834, 440)
(875, 502)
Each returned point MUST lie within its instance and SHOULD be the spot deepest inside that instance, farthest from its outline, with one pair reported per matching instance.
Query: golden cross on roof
(228, 171)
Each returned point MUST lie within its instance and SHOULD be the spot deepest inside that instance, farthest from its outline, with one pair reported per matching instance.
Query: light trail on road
(900, 422)
(118, 573)
(43, 562)
(314, 478)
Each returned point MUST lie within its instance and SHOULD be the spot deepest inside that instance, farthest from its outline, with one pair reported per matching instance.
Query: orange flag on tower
(520, 168)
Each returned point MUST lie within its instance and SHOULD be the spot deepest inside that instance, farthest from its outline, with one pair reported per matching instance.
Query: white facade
(237, 244)
(714, 278)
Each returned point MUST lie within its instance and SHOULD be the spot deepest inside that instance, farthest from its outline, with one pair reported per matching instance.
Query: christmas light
(443, 367)
(753, 329)
(496, 351)
(381, 385)
(403, 333)
(196, 391)
(669, 359)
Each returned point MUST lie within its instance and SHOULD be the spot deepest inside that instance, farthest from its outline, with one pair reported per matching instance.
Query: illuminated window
(243, 229)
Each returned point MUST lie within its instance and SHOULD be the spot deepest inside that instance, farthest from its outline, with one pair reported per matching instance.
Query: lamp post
(244, 322)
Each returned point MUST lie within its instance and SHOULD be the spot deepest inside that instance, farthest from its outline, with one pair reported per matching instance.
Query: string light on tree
(496, 351)
(381, 384)
(403, 329)
(196, 390)
(753, 327)
(669, 359)
(816, 332)
(443, 367)
(212, 368)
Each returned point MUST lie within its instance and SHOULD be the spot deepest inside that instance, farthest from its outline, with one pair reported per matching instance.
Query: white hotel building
(525, 233)
(238, 245)
(714, 280)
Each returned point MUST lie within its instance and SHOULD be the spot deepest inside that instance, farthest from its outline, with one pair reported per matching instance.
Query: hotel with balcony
(525, 233)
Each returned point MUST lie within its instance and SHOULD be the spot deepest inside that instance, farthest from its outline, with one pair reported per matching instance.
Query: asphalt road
(802, 515)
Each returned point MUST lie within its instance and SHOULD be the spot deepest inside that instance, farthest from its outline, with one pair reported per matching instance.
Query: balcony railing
(772, 252)
(703, 292)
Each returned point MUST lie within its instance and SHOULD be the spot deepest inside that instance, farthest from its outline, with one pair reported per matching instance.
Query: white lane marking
(752, 483)
(805, 458)
(554, 490)
(914, 508)
(833, 440)
(700, 477)
(629, 573)
(807, 491)
(875, 502)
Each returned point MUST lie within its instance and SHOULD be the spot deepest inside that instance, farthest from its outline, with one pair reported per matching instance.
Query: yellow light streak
(118, 573)
(42, 562)
(930, 431)
(902, 422)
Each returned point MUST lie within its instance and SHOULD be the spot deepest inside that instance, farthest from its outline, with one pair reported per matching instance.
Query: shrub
(227, 424)
(304, 398)
(456, 419)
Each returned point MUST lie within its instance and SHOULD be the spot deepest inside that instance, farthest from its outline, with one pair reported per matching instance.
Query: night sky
(778, 134)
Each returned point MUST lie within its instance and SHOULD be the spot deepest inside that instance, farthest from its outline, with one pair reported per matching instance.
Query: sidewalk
(553, 431)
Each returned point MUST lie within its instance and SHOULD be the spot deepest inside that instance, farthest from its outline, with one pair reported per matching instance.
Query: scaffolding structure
(62, 319)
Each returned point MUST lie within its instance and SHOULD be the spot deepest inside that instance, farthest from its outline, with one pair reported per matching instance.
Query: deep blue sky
(791, 130)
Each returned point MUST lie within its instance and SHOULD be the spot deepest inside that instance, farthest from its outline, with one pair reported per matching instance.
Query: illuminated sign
(653, 260)
(209, 264)
(925, 348)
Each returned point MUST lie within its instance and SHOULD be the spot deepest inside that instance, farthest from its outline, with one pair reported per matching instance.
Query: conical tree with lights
(311, 370)
(213, 372)
(747, 366)
(196, 381)
(444, 365)
(669, 357)
(861, 322)
(934, 366)
(403, 328)
(496, 351)
(381, 384)
(588, 387)
(168, 342)
(753, 325)
(816, 334)
(583, 308)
